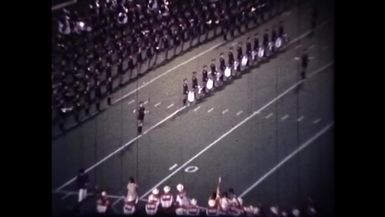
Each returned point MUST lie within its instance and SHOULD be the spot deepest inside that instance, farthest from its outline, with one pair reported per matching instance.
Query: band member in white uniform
(182, 201)
(153, 202)
(167, 198)
(213, 209)
(102, 203)
(193, 209)
(132, 197)
(236, 207)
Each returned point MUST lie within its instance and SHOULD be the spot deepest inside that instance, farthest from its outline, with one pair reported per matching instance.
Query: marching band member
(185, 91)
(239, 56)
(195, 84)
(256, 46)
(132, 197)
(204, 78)
(274, 212)
(182, 201)
(214, 201)
(231, 57)
(166, 199)
(265, 40)
(141, 113)
(193, 209)
(236, 207)
(252, 211)
(222, 64)
(153, 202)
(212, 210)
(274, 36)
(295, 212)
(248, 48)
(82, 180)
(304, 63)
(224, 203)
(102, 203)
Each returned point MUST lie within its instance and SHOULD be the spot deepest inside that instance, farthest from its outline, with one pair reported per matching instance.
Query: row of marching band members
(182, 205)
(219, 204)
(213, 76)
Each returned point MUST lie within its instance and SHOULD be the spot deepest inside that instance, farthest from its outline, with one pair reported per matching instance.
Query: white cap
(166, 189)
(255, 210)
(295, 212)
(194, 201)
(104, 193)
(283, 213)
(274, 209)
(211, 203)
(155, 191)
(179, 187)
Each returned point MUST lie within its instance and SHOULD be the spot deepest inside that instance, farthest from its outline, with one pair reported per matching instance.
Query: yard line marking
(158, 104)
(300, 118)
(120, 148)
(210, 110)
(232, 129)
(317, 121)
(197, 108)
(287, 158)
(269, 115)
(284, 117)
(225, 111)
(132, 101)
(240, 112)
(171, 105)
(173, 166)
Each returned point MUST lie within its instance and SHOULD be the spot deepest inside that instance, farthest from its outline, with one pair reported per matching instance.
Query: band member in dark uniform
(195, 84)
(139, 60)
(82, 181)
(304, 63)
(141, 113)
(231, 57)
(98, 94)
(222, 63)
(274, 34)
(130, 66)
(239, 56)
(185, 91)
(194, 81)
(281, 31)
(121, 71)
(204, 78)
(266, 41)
(248, 49)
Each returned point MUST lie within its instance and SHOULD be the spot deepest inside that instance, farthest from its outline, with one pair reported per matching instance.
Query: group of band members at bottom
(219, 203)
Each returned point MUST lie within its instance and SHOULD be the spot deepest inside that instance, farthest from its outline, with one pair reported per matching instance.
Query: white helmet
(211, 203)
(104, 193)
(295, 212)
(155, 191)
(194, 201)
(166, 189)
(274, 209)
(179, 187)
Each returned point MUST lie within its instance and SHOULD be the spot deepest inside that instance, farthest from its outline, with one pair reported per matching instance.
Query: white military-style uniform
(153, 203)
(167, 198)
(102, 203)
(212, 210)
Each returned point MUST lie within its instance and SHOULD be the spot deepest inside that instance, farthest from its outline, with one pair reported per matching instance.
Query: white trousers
(82, 194)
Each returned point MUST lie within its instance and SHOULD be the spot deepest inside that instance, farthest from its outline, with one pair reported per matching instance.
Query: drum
(191, 96)
(151, 209)
(227, 72)
(101, 208)
(261, 52)
(278, 42)
(129, 208)
(209, 84)
(244, 61)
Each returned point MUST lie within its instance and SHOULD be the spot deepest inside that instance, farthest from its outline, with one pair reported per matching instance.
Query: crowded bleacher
(102, 45)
